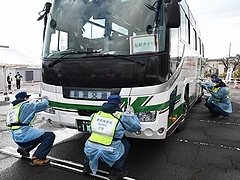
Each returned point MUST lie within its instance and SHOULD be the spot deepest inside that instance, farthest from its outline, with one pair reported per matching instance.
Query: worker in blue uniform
(106, 143)
(219, 103)
(20, 119)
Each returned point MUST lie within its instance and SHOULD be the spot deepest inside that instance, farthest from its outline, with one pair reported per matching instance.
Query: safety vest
(13, 117)
(103, 126)
(18, 77)
(215, 90)
(9, 78)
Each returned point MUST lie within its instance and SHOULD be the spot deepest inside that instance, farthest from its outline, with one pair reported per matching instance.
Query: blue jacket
(223, 96)
(112, 153)
(27, 112)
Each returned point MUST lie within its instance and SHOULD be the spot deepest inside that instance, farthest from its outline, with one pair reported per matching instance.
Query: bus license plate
(82, 125)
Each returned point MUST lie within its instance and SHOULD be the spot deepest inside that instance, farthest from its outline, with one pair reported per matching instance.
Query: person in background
(18, 77)
(106, 143)
(9, 81)
(219, 103)
(20, 119)
(213, 76)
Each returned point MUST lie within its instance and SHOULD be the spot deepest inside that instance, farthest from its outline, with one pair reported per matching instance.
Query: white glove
(199, 82)
(44, 97)
(129, 111)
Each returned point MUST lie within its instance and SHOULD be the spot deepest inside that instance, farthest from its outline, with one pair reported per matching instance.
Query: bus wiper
(50, 65)
(70, 53)
(127, 59)
(90, 51)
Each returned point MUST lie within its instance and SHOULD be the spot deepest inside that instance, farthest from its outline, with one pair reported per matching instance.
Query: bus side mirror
(173, 13)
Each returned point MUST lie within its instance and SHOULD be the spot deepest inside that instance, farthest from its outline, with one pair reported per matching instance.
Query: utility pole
(229, 50)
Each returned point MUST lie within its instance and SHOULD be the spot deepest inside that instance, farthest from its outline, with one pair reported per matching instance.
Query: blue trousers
(45, 141)
(215, 110)
(18, 84)
(120, 162)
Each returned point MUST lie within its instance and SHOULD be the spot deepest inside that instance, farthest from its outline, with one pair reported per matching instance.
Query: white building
(13, 60)
(217, 66)
(214, 66)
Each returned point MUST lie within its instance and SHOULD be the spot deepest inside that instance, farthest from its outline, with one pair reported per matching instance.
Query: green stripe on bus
(137, 105)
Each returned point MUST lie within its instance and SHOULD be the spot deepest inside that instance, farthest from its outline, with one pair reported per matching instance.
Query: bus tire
(199, 100)
(184, 119)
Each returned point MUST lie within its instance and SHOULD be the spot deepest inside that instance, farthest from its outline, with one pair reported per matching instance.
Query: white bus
(147, 51)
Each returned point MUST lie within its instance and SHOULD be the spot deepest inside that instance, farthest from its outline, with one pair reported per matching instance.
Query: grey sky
(20, 28)
(219, 22)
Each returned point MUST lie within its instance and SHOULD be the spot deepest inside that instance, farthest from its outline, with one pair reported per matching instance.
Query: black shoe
(116, 174)
(23, 152)
(86, 169)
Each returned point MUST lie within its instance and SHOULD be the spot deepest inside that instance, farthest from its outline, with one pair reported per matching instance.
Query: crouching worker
(106, 143)
(20, 119)
(218, 103)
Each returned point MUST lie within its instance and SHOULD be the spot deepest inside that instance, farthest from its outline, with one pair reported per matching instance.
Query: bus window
(89, 28)
(184, 26)
(63, 41)
(59, 41)
(54, 42)
(188, 35)
(195, 38)
(174, 51)
(199, 46)
(192, 37)
(202, 50)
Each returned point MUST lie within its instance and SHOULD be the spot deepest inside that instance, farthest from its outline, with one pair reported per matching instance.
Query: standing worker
(106, 143)
(18, 77)
(20, 119)
(9, 81)
(218, 103)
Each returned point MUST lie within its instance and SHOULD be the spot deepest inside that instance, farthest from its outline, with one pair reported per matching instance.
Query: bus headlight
(161, 130)
(50, 110)
(149, 116)
(138, 132)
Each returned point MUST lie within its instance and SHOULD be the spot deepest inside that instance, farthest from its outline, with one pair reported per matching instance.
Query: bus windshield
(105, 40)
(122, 27)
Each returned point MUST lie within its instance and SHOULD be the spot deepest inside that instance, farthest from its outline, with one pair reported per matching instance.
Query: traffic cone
(235, 86)
(32, 83)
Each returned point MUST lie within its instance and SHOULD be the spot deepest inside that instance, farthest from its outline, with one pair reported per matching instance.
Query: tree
(237, 73)
(231, 62)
